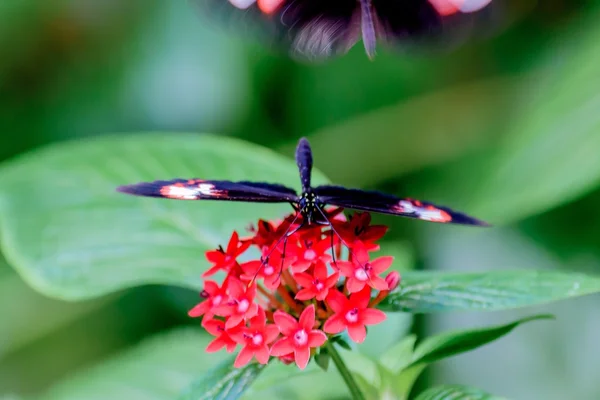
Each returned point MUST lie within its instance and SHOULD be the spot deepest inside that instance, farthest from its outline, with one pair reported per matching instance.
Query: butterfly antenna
(265, 259)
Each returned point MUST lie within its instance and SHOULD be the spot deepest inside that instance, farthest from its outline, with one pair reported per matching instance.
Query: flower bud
(393, 280)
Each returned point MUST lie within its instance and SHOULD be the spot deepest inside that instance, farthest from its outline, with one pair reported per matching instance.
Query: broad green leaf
(428, 291)
(159, 368)
(224, 382)
(72, 236)
(456, 392)
(549, 156)
(448, 344)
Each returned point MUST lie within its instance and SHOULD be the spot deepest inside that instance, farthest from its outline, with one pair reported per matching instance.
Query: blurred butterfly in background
(318, 29)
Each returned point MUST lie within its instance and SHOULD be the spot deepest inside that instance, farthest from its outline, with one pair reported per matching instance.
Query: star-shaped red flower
(214, 296)
(223, 335)
(360, 271)
(299, 336)
(241, 303)
(359, 229)
(255, 340)
(316, 285)
(352, 314)
(226, 260)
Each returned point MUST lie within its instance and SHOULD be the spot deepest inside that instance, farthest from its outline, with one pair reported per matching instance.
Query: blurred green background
(505, 127)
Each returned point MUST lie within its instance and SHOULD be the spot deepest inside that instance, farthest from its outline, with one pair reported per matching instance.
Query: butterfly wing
(431, 24)
(311, 29)
(388, 204)
(199, 189)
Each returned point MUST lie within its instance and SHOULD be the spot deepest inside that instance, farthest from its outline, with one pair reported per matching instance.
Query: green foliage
(72, 236)
(427, 292)
(224, 382)
(456, 392)
(394, 374)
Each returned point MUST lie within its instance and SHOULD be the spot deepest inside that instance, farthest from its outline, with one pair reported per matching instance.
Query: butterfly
(309, 204)
(318, 29)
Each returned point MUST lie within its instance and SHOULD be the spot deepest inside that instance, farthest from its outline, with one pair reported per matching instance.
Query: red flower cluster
(298, 294)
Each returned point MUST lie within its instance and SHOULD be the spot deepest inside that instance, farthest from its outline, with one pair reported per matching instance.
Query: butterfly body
(311, 202)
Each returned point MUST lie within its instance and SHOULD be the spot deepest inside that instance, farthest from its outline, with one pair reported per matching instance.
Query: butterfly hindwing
(388, 204)
(199, 189)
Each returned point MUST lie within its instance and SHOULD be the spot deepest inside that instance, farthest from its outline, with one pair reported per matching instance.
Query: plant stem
(344, 371)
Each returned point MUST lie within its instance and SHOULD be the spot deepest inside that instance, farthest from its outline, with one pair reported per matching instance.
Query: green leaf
(549, 155)
(159, 368)
(322, 359)
(448, 344)
(224, 382)
(400, 355)
(428, 292)
(72, 236)
(456, 392)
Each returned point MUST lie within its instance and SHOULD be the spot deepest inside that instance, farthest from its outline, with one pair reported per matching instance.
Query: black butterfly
(310, 204)
(317, 29)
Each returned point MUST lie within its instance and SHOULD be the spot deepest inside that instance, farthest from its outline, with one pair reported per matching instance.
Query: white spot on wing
(242, 4)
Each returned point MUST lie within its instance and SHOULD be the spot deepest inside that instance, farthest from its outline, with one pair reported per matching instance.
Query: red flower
(308, 252)
(240, 305)
(214, 296)
(255, 340)
(361, 271)
(226, 260)
(358, 229)
(223, 335)
(316, 285)
(299, 336)
(352, 313)
(269, 271)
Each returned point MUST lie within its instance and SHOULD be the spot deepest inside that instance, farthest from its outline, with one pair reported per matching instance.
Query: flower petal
(262, 354)
(320, 270)
(303, 279)
(282, 347)
(332, 280)
(307, 318)
(214, 327)
(233, 243)
(236, 287)
(200, 309)
(346, 268)
(381, 264)
(378, 283)
(372, 316)
(285, 322)
(361, 298)
(302, 355)
(354, 285)
(215, 345)
(271, 333)
(212, 270)
(231, 345)
(233, 320)
(307, 294)
(357, 333)
(336, 300)
(243, 357)
(316, 338)
(335, 324)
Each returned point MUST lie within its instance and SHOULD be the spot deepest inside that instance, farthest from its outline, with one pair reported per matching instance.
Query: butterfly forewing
(388, 204)
(199, 189)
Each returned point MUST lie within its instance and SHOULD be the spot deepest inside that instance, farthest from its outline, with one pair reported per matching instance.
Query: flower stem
(344, 371)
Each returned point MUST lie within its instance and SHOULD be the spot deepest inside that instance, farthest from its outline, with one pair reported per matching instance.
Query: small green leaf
(342, 341)
(456, 392)
(71, 235)
(322, 359)
(159, 368)
(224, 382)
(428, 292)
(448, 344)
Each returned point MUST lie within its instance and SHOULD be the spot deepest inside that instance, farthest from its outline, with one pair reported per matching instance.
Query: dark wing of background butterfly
(198, 189)
(417, 25)
(387, 204)
(310, 29)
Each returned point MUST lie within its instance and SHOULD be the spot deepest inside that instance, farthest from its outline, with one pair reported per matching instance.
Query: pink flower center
(228, 258)
(361, 274)
(310, 254)
(257, 339)
(319, 285)
(301, 338)
(243, 305)
(268, 270)
(217, 300)
(352, 316)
